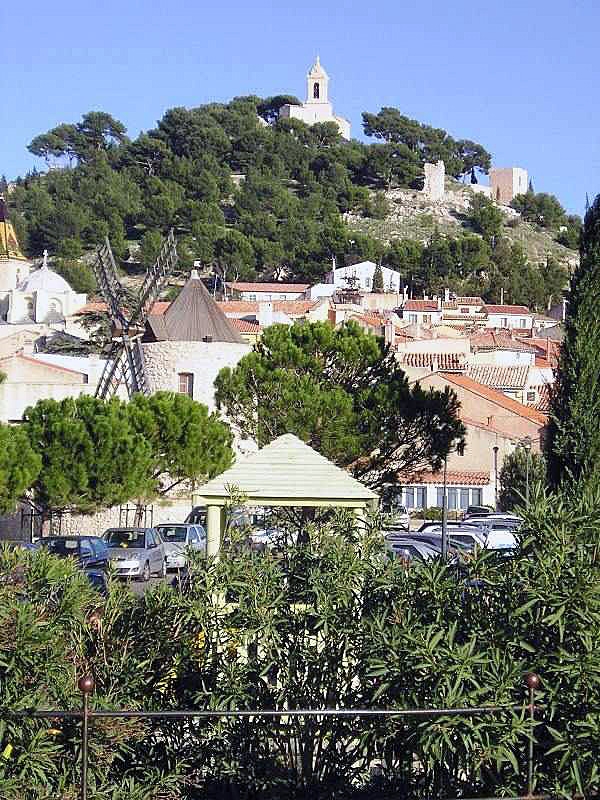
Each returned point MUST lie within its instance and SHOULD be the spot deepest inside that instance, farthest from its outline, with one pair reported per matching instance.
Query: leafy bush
(333, 624)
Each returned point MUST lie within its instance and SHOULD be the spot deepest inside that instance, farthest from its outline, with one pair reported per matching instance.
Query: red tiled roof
(245, 325)
(374, 320)
(469, 301)
(495, 397)
(242, 286)
(543, 402)
(93, 308)
(421, 305)
(437, 361)
(453, 478)
(491, 309)
(499, 377)
(502, 340)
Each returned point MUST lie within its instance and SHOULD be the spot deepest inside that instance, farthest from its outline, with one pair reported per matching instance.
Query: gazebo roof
(288, 472)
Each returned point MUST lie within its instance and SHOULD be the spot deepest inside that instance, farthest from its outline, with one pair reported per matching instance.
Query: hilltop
(253, 195)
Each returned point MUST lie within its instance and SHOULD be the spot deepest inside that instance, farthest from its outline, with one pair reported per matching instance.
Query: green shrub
(332, 623)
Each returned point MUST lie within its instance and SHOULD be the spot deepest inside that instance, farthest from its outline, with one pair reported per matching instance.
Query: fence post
(86, 687)
(533, 682)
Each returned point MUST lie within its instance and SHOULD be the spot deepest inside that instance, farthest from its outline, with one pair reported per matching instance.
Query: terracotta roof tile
(421, 305)
(433, 361)
(499, 377)
(495, 397)
(453, 478)
(499, 340)
(544, 392)
(245, 326)
(492, 309)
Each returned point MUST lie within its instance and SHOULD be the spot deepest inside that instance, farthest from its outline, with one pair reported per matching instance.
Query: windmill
(125, 359)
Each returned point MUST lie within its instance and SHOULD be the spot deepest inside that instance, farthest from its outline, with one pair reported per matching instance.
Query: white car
(400, 517)
(177, 538)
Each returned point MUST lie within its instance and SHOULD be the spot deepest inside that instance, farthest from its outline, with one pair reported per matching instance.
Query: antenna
(126, 358)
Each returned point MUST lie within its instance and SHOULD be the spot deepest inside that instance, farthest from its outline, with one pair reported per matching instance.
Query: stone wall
(508, 182)
(164, 361)
(435, 175)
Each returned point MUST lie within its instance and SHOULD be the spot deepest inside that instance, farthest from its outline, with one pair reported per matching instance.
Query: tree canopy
(573, 441)
(20, 465)
(341, 391)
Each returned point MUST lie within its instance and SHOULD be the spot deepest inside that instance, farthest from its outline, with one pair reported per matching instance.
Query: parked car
(197, 516)
(497, 533)
(460, 536)
(410, 550)
(177, 538)
(434, 526)
(89, 552)
(400, 517)
(136, 552)
(476, 511)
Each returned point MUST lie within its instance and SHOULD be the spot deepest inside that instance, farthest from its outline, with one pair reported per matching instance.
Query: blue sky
(518, 76)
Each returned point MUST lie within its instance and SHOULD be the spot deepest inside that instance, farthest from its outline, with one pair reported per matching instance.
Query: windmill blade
(105, 271)
(112, 375)
(133, 367)
(155, 280)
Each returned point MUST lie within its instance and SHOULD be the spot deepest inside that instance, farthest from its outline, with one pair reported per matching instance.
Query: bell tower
(317, 89)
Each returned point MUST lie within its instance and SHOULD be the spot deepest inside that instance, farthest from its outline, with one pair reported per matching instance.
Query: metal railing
(86, 686)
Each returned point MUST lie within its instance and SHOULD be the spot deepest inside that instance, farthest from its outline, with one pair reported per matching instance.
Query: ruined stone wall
(435, 175)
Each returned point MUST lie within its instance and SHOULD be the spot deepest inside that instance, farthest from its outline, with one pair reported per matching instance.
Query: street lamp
(526, 443)
(495, 448)
(445, 513)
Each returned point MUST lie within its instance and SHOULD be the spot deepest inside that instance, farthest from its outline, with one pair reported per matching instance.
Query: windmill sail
(105, 270)
(126, 358)
(155, 279)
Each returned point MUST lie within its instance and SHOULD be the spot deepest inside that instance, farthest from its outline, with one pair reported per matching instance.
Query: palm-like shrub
(329, 624)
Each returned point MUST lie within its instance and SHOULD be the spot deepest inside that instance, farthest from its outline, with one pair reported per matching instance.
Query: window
(531, 397)
(426, 318)
(316, 91)
(421, 497)
(464, 498)
(522, 323)
(367, 283)
(85, 549)
(412, 318)
(186, 383)
(452, 497)
(464, 310)
(440, 497)
(476, 497)
(251, 298)
(504, 322)
(409, 497)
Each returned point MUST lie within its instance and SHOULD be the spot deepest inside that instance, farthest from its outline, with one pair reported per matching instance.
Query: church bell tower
(317, 84)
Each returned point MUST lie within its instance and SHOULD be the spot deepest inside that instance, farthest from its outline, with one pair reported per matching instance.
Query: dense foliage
(519, 469)
(341, 391)
(19, 466)
(96, 454)
(573, 441)
(330, 624)
(249, 195)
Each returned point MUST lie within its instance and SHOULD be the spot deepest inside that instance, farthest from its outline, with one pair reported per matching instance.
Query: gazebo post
(214, 515)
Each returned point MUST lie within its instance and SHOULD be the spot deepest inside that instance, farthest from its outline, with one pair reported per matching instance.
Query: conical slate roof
(192, 317)
(288, 469)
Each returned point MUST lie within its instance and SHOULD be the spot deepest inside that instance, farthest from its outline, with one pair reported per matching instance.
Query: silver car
(136, 552)
(177, 538)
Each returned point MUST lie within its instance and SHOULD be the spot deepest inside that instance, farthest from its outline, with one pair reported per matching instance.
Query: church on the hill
(317, 107)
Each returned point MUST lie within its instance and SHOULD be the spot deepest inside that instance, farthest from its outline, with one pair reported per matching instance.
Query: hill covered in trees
(254, 196)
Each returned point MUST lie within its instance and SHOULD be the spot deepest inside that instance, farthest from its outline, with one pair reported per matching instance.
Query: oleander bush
(332, 623)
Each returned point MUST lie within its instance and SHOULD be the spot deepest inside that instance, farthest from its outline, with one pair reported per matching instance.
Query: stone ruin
(433, 188)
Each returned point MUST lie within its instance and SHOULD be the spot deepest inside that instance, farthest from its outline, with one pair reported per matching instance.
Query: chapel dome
(46, 280)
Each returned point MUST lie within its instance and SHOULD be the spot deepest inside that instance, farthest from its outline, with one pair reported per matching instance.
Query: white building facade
(317, 107)
(360, 276)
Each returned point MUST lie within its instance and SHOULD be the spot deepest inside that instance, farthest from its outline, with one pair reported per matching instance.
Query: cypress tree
(378, 279)
(473, 176)
(573, 439)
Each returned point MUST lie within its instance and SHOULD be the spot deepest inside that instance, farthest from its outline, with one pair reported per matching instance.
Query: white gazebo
(286, 472)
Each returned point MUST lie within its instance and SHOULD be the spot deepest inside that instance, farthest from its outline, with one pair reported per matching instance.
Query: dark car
(90, 553)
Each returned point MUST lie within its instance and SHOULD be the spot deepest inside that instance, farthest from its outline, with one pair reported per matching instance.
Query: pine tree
(573, 439)
(530, 188)
(378, 279)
